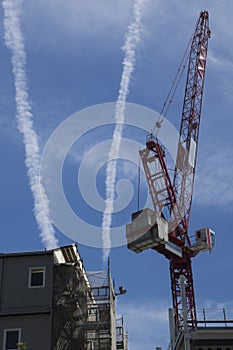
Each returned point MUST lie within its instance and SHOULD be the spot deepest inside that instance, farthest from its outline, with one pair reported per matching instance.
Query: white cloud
(77, 19)
(132, 38)
(147, 323)
(222, 69)
(213, 185)
(14, 41)
(218, 305)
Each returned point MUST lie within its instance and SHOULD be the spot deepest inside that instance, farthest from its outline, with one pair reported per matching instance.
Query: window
(104, 344)
(36, 277)
(11, 339)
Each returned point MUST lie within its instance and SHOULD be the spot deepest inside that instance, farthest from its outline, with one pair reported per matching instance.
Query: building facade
(48, 301)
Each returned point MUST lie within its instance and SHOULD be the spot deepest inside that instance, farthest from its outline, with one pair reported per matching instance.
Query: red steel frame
(176, 196)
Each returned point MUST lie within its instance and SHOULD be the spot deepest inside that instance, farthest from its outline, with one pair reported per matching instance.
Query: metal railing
(215, 317)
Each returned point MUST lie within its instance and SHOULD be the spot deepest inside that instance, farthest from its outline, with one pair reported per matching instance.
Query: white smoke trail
(132, 38)
(14, 41)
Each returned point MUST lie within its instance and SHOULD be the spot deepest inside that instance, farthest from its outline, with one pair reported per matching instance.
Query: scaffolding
(121, 336)
(71, 293)
(100, 326)
(84, 316)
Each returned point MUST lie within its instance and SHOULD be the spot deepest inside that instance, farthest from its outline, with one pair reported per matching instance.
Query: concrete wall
(15, 295)
(22, 307)
(35, 331)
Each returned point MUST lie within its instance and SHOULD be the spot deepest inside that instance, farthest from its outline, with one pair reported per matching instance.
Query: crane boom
(191, 113)
(172, 200)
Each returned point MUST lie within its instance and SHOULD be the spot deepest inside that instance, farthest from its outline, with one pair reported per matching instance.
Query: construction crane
(165, 229)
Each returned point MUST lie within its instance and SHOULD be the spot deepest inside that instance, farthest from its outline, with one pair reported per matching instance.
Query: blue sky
(74, 61)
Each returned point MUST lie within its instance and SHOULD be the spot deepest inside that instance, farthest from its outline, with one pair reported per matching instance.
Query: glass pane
(12, 338)
(37, 279)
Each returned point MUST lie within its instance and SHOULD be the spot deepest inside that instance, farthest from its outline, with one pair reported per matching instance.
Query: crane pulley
(165, 228)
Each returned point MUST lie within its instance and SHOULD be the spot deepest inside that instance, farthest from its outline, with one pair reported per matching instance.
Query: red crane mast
(172, 199)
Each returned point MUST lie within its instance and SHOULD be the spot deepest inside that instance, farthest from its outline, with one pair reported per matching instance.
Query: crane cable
(139, 183)
(173, 89)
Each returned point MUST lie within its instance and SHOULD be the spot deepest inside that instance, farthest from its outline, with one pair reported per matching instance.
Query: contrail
(14, 41)
(132, 38)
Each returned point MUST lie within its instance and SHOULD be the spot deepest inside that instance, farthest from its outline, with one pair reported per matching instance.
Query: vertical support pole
(171, 313)
(224, 315)
(185, 313)
(139, 183)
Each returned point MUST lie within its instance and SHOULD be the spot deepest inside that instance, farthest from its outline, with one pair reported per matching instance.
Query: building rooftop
(69, 252)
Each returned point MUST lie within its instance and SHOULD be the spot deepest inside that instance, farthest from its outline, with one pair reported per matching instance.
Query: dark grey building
(48, 302)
